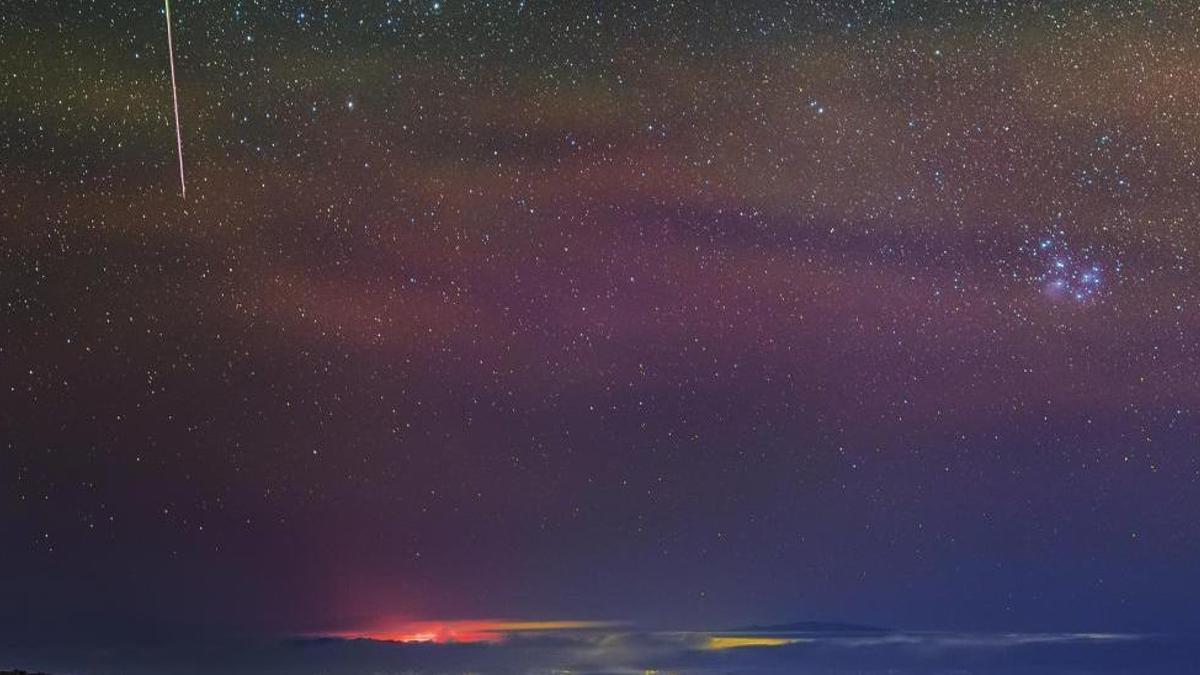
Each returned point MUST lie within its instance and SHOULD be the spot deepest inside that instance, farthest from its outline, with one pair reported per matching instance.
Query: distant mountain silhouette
(814, 627)
(19, 672)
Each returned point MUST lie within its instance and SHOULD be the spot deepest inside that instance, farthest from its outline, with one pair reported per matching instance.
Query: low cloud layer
(598, 652)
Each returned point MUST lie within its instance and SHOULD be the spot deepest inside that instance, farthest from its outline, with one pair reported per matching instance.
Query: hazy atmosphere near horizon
(548, 336)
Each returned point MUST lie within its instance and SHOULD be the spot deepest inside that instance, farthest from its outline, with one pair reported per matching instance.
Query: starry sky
(675, 314)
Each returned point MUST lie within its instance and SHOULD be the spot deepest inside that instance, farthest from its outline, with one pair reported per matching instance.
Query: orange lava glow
(463, 631)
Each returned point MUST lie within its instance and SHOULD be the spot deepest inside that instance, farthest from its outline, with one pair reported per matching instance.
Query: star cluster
(1070, 275)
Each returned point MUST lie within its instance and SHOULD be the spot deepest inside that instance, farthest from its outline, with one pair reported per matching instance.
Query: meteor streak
(175, 98)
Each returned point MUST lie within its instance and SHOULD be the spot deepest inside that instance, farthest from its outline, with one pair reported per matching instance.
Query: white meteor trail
(175, 97)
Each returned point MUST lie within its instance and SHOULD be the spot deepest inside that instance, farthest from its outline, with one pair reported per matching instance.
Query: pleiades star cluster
(680, 315)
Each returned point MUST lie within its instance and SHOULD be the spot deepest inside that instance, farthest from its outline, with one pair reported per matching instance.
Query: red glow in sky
(463, 631)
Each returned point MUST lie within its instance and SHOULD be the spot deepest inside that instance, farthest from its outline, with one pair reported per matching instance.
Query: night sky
(682, 315)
